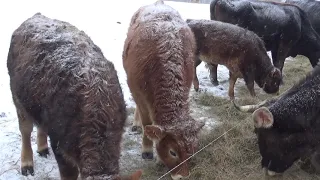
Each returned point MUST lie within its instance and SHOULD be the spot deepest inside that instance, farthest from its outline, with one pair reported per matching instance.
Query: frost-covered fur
(158, 59)
(61, 82)
(240, 50)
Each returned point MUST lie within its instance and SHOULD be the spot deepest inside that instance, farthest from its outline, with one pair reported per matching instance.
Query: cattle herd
(62, 83)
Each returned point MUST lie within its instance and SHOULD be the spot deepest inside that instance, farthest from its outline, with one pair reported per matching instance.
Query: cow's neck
(171, 113)
(309, 45)
(99, 149)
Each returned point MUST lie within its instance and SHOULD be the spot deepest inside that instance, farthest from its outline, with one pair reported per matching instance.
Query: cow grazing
(62, 83)
(158, 58)
(240, 50)
(284, 28)
(288, 127)
(312, 8)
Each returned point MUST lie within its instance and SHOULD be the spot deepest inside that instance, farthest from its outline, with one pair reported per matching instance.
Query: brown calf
(240, 50)
(158, 60)
(61, 82)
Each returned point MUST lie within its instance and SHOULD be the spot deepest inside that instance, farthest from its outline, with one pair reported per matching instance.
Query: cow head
(274, 146)
(279, 146)
(272, 81)
(175, 144)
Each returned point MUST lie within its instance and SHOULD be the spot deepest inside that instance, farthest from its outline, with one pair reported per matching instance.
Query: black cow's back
(312, 8)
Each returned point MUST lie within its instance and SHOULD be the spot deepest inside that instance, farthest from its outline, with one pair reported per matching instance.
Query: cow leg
(274, 53)
(136, 121)
(314, 62)
(25, 127)
(315, 161)
(282, 53)
(250, 86)
(249, 80)
(42, 143)
(213, 74)
(147, 144)
(232, 82)
(197, 61)
(313, 59)
(68, 171)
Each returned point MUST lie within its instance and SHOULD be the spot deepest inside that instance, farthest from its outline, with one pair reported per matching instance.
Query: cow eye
(173, 153)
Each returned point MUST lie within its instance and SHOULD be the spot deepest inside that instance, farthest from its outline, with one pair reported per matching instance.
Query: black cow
(312, 8)
(285, 28)
(288, 127)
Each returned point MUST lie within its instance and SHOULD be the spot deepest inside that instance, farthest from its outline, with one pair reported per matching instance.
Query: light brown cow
(61, 82)
(158, 58)
(240, 50)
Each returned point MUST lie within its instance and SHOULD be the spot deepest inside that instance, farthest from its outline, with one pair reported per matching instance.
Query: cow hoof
(44, 152)
(196, 89)
(136, 129)
(215, 83)
(147, 155)
(27, 170)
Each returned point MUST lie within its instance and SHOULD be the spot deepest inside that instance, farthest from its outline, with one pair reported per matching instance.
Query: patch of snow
(106, 22)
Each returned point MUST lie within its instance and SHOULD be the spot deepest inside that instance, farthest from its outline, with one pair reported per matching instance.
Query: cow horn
(249, 108)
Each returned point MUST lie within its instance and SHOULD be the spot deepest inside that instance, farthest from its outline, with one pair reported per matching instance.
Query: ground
(234, 156)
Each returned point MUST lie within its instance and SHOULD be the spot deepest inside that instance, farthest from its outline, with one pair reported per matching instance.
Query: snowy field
(106, 22)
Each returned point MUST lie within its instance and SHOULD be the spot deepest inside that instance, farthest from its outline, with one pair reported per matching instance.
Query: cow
(62, 83)
(158, 58)
(285, 28)
(288, 127)
(240, 50)
(312, 8)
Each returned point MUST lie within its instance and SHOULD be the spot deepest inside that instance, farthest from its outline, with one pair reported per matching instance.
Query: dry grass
(236, 155)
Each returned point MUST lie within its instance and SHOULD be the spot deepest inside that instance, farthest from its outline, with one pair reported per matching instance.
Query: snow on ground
(106, 22)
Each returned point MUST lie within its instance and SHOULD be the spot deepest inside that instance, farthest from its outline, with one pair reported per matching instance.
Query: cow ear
(154, 132)
(262, 118)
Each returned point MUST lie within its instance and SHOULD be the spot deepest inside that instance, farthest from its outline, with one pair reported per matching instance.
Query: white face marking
(272, 173)
(176, 177)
